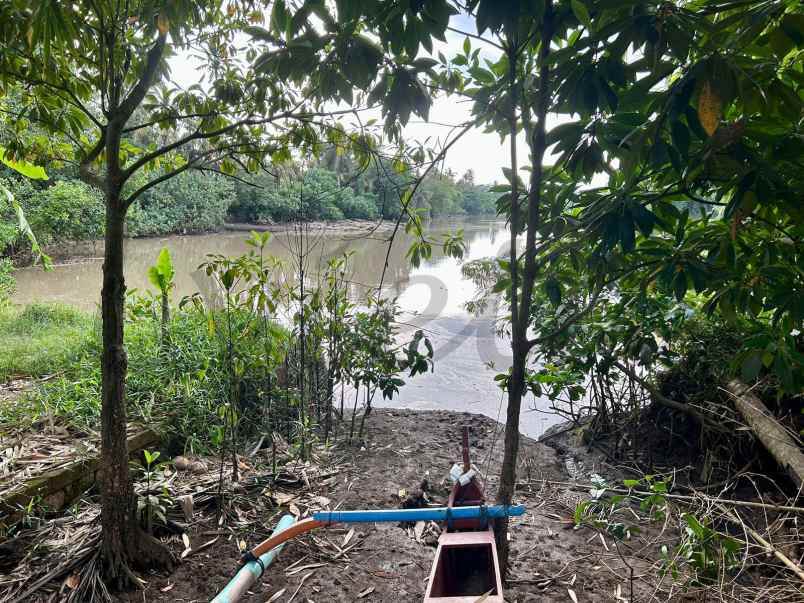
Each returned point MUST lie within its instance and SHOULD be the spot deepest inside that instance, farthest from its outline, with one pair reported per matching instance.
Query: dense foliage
(659, 105)
(691, 115)
(65, 209)
(190, 202)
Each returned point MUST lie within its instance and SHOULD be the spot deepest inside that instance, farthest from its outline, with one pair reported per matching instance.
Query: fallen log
(59, 486)
(768, 431)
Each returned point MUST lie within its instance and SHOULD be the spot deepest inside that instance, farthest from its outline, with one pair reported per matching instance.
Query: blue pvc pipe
(433, 514)
(251, 571)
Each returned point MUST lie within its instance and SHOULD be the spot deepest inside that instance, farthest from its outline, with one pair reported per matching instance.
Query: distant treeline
(65, 209)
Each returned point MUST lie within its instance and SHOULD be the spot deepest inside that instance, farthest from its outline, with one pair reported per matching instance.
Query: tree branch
(569, 322)
(194, 164)
(669, 403)
(137, 94)
(84, 167)
(247, 122)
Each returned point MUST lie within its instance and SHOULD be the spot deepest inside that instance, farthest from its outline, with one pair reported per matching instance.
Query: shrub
(67, 211)
(361, 207)
(180, 388)
(191, 202)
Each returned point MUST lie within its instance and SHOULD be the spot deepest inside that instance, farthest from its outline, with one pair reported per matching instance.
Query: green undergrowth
(42, 339)
(178, 387)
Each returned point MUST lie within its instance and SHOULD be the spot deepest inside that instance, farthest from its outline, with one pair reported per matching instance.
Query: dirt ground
(385, 562)
(551, 560)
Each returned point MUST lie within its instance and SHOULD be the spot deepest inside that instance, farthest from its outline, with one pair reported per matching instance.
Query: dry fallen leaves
(349, 535)
(366, 592)
(298, 588)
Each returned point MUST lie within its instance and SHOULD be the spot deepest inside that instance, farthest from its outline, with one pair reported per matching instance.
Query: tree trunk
(768, 431)
(507, 485)
(520, 308)
(123, 541)
(505, 490)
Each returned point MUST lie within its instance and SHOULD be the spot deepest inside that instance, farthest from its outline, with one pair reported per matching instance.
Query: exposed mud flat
(385, 562)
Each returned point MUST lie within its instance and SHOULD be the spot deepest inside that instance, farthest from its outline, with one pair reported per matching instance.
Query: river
(431, 297)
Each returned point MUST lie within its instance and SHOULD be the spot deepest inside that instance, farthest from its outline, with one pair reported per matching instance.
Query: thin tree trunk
(520, 308)
(366, 413)
(354, 414)
(123, 541)
(302, 360)
(511, 447)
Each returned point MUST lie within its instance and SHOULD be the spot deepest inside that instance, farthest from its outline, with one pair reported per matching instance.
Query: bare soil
(551, 559)
(389, 563)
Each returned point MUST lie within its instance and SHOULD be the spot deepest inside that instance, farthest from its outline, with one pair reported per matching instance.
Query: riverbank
(69, 252)
(347, 226)
(554, 557)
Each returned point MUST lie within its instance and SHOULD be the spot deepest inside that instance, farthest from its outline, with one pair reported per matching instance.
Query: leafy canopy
(676, 164)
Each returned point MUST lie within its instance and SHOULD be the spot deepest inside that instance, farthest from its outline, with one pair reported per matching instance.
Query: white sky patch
(482, 152)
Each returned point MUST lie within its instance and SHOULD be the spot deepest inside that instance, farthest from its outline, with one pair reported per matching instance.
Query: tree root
(140, 551)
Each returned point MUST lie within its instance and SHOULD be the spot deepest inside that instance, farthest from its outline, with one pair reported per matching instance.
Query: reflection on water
(432, 297)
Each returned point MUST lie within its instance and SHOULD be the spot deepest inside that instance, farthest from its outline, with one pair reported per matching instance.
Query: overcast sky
(483, 153)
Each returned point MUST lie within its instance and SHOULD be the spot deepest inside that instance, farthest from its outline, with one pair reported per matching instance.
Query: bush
(181, 387)
(362, 207)
(188, 203)
(478, 200)
(67, 211)
(322, 198)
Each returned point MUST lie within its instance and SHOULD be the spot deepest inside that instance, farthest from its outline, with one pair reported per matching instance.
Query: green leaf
(581, 13)
(553, 290)
(751, 365)
(164, 263)
(502, 285)
(29, 170)
(694, 525)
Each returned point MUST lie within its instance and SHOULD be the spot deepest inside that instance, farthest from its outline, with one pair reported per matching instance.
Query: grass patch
(180, 387)
(42, 339)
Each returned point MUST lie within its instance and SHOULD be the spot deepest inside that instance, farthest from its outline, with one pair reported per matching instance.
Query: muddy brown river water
(431, 297)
